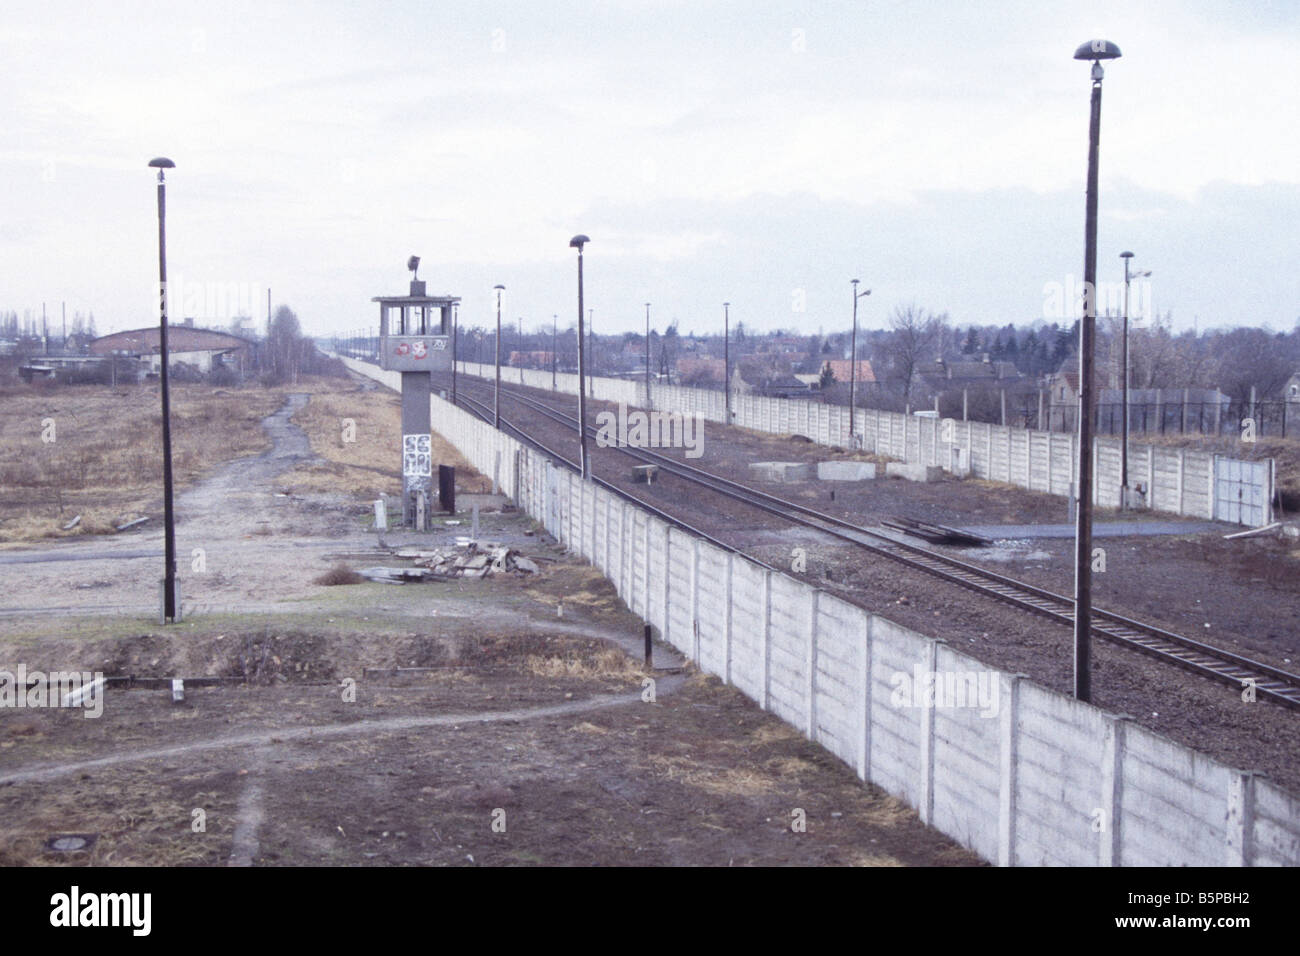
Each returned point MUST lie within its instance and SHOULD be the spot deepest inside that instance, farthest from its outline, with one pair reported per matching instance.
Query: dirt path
(239, 541)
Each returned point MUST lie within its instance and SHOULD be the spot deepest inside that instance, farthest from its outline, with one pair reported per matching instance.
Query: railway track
(1270, 683)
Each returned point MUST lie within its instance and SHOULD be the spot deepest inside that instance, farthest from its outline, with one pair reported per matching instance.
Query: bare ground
(531, 705)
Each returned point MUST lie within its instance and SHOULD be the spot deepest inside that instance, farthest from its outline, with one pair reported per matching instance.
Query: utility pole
(496, 391)
(726, 359)
(584, 466)
(853, 363)
(647, 355)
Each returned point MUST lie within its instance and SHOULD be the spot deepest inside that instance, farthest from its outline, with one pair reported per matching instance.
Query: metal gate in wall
(1243, 491)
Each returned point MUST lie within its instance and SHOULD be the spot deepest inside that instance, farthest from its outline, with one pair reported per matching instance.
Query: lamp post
(647, 354)
(455, 315)
(1095, 50)
(496, 391)
(1123, 455)
(555, 344)
(726, 360)
(169, 518)
(591, 348)
(577, 242)
(853, 362)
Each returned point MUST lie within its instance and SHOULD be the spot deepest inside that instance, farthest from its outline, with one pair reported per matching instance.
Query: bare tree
(916, 335)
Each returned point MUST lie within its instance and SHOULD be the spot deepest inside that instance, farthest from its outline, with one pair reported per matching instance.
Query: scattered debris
(472, 560)
(1254, 531)
(936, 533)
(72, 524)
(132, 524)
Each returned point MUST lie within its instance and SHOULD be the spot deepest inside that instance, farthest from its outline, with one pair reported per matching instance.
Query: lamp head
(578, 241)
(1126, 255)
(162, 162)
(413, 264)
(1097, 50)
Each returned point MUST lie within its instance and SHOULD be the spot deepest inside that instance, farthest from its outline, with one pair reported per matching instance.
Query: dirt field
(95, 451)
(531, 715)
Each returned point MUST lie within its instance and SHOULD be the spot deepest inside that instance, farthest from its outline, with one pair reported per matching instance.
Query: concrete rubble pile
(472, 560)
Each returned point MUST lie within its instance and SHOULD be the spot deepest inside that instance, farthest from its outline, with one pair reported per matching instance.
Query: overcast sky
(763, 154)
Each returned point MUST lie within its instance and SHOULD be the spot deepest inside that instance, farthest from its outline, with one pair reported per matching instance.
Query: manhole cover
(70, 842)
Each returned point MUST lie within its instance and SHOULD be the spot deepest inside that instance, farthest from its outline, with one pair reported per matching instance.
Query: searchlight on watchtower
(415, 340)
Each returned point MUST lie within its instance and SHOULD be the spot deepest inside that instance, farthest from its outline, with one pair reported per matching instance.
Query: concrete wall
(1180, 480)
(1022, 776)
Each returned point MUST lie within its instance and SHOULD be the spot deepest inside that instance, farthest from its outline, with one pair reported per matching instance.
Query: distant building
(203, 349)
(1291, 390)
(531, 359)
(842, 369)
(702, 371)
(943, 376)
(761, 378)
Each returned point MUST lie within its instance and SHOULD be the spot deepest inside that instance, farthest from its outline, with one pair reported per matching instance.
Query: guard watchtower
(414, 340)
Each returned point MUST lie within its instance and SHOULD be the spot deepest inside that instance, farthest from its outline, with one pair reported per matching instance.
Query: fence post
(1008, 765)
(1241, 818)
(1181, 465)
(695, 595)
(1186, 395)
(864, 699)
(1004, 406)
(810, 662)
(645, 562)
(1112, 781)
(726, 621)
(766, 649)
(925, 801)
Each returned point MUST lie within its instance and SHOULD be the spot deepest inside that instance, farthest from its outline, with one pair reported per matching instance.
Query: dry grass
(363, 459)
(719, 781)
(138, 825)
(339, 574)
(603, 663)
(105, 460)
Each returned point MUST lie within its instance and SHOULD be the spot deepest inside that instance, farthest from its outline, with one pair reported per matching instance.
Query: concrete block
(846, 470)
(913, 471)
(782, 470)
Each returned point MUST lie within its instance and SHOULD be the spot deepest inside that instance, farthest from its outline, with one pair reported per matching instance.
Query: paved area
(1105, 529)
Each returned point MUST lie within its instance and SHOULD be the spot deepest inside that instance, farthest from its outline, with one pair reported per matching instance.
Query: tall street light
(647, 354)
(496, 391)
(555, 344)
(455, 315)
(726, 360)
(853, 363)
(577, 242)
(1095, 50)
(169, 518)
(1123, 455)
